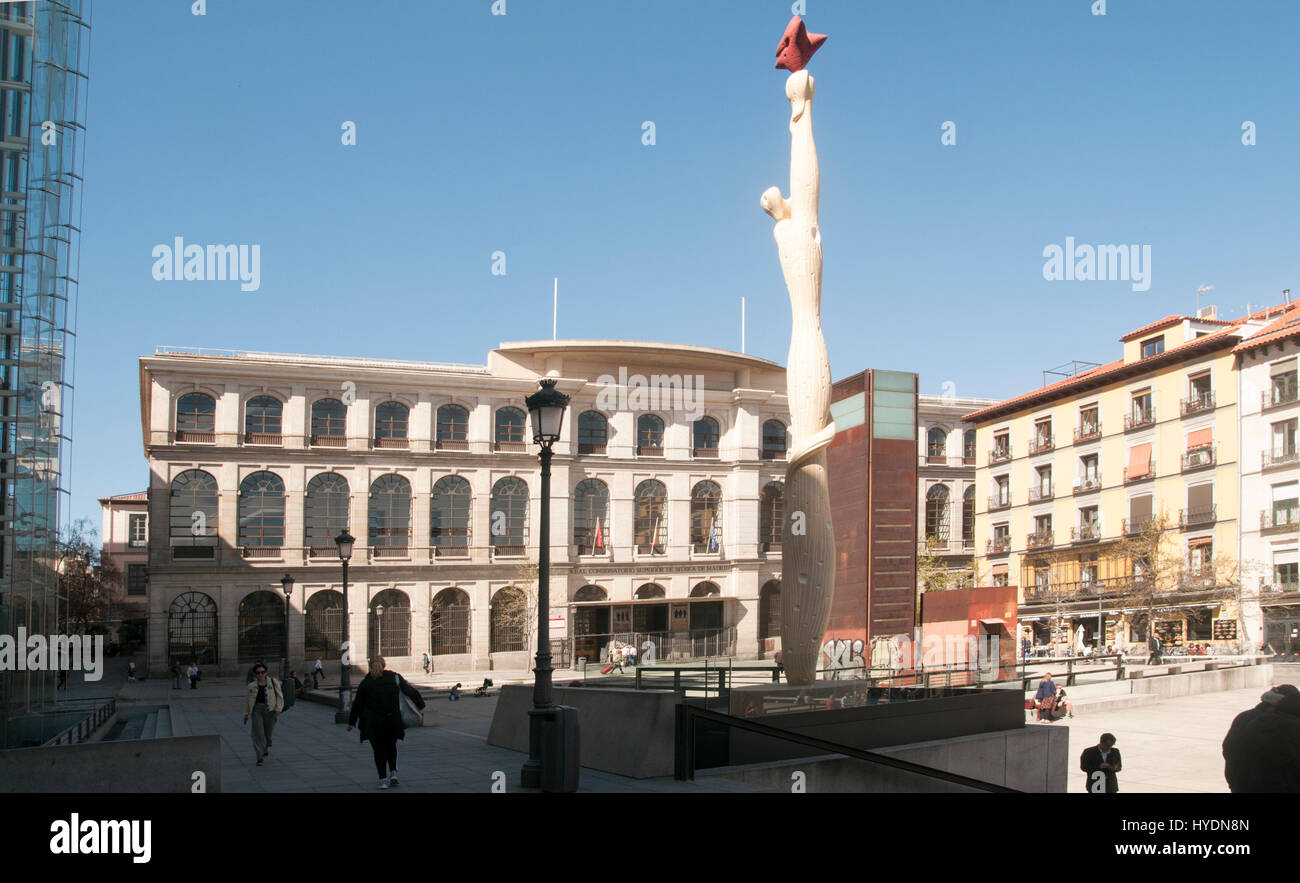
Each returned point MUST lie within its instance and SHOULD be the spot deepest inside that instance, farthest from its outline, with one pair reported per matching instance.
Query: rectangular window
(138, 531)
(1139, 512)
(137, 578)
(1143, 411)
(1001, 446)
(1089, 422)
(1044, 482)
(1043, 526)
(1004, 490)
(1090, 473)
(1282, 383)
(1043, 435)
(1199, 388)
(1153, 347)
(1284, 438)
(1200, 555)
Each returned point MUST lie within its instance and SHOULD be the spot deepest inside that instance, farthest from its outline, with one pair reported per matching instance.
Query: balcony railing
(1278, 396)
(998, 546)
(263, 438)
(1039, 540)
(1088, 485)
(1134, 528)
(1142, 476)
(1086, 533)
(999, 455)
(1199, 458)
(943, 460)
(1280, 588)
(704, 453)
(1280, 519)
(649, 450)
(1140, 420)
(377, 552)
(1076, 590)
(996, 503)
(451, 444)
(589, 448)
(1196, 516)
(1198, 402)
(205, 437)
(261, 551)
(510, 447)
(1193, 580)
(392, 443)
(968, 458)
(1273, 460)
(1040, 494)
(771, 454)
(1040, 444)
(1087, 432)
(329, 441)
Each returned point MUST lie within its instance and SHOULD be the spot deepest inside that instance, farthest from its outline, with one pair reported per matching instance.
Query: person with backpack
(377, 707)
(264, 700)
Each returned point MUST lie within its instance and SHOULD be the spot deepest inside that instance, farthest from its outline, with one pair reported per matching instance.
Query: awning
(999, 570)
(1139, 460)
(993, 621)
(1200, 438)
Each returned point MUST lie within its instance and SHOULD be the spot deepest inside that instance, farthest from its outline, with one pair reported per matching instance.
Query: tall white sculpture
(808, 541)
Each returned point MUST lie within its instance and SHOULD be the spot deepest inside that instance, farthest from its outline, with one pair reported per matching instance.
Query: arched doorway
(390, 624)
(261, 627)
(192, 629)
(449, 623)
(323, 628)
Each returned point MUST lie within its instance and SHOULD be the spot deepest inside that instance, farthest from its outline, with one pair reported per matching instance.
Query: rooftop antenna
(555, 311)
(1200, 291)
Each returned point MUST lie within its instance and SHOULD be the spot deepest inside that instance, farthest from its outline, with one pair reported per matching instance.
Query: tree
(517, 611)
(934, 573)
(90, 588)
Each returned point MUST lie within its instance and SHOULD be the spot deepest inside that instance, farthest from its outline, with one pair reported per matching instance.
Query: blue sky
(523, 133)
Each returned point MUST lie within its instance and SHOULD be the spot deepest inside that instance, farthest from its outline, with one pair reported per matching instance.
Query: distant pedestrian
(1154, 648)
(1045, 698)
(318, 672)
(1101, 762)
(193, 675)
(264, 702)
(1261, 753)
(176, 675)
(378, 708)
(426, 663)
(130, 670)
(455, 693)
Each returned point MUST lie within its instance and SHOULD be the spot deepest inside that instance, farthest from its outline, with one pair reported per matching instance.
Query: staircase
(141, 723)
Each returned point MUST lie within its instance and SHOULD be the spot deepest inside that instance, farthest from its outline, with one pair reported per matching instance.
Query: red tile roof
(137, 497)
(1284, 327)
(1170, 320)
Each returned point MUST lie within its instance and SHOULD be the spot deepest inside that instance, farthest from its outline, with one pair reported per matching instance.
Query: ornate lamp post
(344, 541)
(546, 409)
(286, 583)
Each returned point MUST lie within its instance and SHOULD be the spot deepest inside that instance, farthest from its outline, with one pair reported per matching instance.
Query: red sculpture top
(797, 46)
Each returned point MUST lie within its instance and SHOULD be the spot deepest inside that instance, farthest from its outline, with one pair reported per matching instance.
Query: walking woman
(264, 702)
(378, 708)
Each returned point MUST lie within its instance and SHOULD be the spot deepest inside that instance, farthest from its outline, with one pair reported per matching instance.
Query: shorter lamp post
(344, 542)
(546, 408)
(286, 583)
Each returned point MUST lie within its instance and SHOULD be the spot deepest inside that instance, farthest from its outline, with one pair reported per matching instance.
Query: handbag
(411, 715)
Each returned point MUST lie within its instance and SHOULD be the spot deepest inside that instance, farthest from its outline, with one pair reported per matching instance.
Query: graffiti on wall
(842, 658)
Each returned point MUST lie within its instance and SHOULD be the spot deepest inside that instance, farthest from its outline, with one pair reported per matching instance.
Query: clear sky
(523, 133)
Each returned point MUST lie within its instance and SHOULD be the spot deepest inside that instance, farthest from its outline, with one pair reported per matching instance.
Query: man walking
(1261, 753)
(1101, 762)
(264, 702)
(317, 673)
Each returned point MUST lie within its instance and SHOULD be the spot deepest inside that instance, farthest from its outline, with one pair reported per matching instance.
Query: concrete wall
(1205, 681)
(1031, 759)
(627, 732)
(144, 766)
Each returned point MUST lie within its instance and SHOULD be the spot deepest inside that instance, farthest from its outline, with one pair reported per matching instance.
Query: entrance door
(591, 632)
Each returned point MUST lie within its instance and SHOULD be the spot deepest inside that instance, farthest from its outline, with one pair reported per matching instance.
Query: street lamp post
(286, 583)
(546, 408)
(344, 542)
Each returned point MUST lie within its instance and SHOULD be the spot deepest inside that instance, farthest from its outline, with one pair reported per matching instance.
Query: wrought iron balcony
(943, 460)
(1199, 458)
(589, 448)
(1197, 403)
(1197, 516)
(263, 438)
(396, 443)
(1086, 533)
(1143, 476)
(649, 450)
(1087, 432)
(1278, 396)
(1040, 494)
(329, 441)
(1040, 540)
(1140, 420)
(1196, 580)
(996, 503)
(446, 444)
(510, 447)
(1280, 518)
(1273, 460)
(1135, 528)
(705, 453)
(196, 436)
(1088, 485)
(998, 545)
(1040, 444)
(999, 455)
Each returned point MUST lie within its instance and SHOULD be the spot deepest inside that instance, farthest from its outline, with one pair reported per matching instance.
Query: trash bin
(560, 747)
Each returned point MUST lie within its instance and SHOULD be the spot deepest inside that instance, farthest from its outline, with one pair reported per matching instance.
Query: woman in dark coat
(376, 706)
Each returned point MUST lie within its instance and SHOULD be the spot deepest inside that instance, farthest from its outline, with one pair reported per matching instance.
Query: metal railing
(1088, 485)
(1277, 519)
(1135, 528)
(1149, 474)
(1086, 533)
(999, 546)
(1197, 402)
(82, 730)
(998, 502)
(1040, 444)
(1271, 460)
(1272, 398)
(1039, 540)
(1140, 419)
(944, 460)
(1199, 457)
(999, 455)
(1197, 515)
(1041, 494)
(1087, 432)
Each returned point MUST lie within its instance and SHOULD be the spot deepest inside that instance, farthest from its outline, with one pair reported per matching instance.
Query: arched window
(192, 516)
(776, 440)
(590, 593)
(449, 629)
(325, 513)
(591, 517)
(593, 433)
(390, 515)
(509, 621)
(261, 627)
(704, 437)
(936, 445)
(509, 517)
(510, 426)
(650, 528)
(705, 590)
(649, 592)
(329, 421)
(769, 610)
(968, 518)
(192, 630)
(391, 422)
(390, 624)
(936, 514)
(771, 515)
(323, 625)
(451, 511)
(452, 428)
(649, 436)
(706, 517)
(262, 421)
(196, 418)
(968, 447)
(261, 515)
